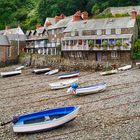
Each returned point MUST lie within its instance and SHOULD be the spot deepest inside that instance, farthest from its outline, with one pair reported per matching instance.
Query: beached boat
(138, 64)
(68, 75)
(44, 120)
(87, 89)
(63, 83)
(109, 72)
(20, 68)
(10, 73)
(40, 71)
(51, 72)
(127, 67)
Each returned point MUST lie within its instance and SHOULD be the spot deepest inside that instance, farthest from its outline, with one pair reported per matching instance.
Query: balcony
(95, 48)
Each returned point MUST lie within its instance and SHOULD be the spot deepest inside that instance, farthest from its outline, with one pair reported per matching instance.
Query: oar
(14, 120)
(5, 123)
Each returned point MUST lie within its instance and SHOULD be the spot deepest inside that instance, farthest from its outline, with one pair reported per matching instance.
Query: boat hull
(12, 73)
(62, 84)
(125, 68)
(37, 127)
(91, 89)
(52, 72)
(69, 75)
(40, 71)
(109, 72)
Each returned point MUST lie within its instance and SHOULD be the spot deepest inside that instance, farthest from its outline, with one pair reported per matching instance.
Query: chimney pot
(7, 27)
(77, 16)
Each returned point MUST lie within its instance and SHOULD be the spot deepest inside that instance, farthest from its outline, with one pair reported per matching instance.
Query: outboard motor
(73, 88)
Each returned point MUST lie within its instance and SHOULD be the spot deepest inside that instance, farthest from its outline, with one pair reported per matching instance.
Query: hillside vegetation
(27, 13)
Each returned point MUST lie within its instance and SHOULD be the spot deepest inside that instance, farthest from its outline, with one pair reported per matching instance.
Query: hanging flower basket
(118, 43)
(105, 44)
(91, 43)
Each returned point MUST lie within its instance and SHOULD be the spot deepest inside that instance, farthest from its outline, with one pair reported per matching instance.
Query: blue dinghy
(44, 120)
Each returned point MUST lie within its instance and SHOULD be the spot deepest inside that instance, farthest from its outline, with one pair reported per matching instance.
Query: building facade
(100, 39)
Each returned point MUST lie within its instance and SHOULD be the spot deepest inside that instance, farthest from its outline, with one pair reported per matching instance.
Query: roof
(116, 36)
(12, 31)
(40, 30)
(104, 23)
(19, 37)
(60, 24)
(49, 19)
(4, 40)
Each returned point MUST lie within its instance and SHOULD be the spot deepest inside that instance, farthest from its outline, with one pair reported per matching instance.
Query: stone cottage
(106, 39)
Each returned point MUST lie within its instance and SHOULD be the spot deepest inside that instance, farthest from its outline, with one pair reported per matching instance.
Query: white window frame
(118, 31)
(108, 31)
(8, 51)
(99, 32)
(114, 54)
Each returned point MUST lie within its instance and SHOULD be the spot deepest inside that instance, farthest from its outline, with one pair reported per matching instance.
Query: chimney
(38, 26)
(133, 14)
(77, 16)
(84, 15)
(48, 23)
(57, 18)
(7, 27)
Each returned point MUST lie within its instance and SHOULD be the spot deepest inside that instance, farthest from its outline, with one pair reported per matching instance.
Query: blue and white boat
(44, 120)
(69, 75)
(87, 89)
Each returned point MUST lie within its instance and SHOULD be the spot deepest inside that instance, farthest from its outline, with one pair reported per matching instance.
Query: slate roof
(104, 23)
(40, 30)
(52, 20)
(60, 24)
(4, 40)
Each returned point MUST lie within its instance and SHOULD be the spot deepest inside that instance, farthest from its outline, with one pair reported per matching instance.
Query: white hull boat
(11, 73)
(127, 67)
(88, 89)
(51, 72)
(20, 68)
(40, 71)
(63, 83)
(109, 72)
(69, 75)
(44, 120)
(138, 64)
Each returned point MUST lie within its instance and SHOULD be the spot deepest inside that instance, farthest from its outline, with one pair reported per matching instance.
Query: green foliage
(136, 49)
(27, 13)
(91, 43)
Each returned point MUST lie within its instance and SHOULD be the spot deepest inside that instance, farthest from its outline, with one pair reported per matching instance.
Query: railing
(86, 47)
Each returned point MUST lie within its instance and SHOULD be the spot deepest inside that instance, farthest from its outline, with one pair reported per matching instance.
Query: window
(52, 32)
(114, 54)
(118, 31)
(108, 31)
(9, 51)
(103, 32)
(113, 31)
(99, 32)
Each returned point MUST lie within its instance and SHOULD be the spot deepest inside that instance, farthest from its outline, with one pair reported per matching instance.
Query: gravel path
(112, 114)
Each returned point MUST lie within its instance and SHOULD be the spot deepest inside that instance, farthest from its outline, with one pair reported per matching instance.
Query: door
(98, 56)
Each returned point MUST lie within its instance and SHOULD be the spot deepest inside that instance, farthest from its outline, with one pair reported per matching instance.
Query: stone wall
(53, 62)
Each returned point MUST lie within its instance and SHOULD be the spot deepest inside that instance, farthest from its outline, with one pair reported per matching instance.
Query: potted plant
(105, 44)
(111, 46)
(91, 43)
(125, 45)
(118, 43)
(98, 46)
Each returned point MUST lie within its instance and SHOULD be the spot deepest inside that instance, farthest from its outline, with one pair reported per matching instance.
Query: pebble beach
(113, 114)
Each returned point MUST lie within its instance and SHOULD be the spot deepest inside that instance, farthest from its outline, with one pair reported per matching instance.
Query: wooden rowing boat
(63, 83)
(20, 68)
(44, 120)
(87, 89)
(69, 75)
(109, 72)
(10, 73)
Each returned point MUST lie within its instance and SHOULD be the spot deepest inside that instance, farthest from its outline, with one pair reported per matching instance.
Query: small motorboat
(51, 72)
(44, 120)
(127, 67)
(69, 75)
(63, 83)
(20, 68)
(87, 89)
(138, 64)
(40, 71)
(109, 72)
(10, 73)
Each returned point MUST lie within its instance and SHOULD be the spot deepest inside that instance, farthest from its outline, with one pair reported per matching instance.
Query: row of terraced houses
(76, 37)
(79, 37)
